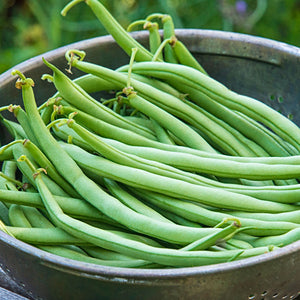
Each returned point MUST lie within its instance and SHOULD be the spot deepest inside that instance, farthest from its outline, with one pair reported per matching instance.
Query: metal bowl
(261, 68)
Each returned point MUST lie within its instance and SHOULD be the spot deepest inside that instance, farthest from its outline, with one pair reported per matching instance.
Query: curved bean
(170, 186)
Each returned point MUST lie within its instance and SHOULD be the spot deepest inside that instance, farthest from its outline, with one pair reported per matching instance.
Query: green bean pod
(121, 36)
(167, 102)
(209, 217)
(280, 240)
(133, 248)
(76, 96)
(217, 91)
(170, 186)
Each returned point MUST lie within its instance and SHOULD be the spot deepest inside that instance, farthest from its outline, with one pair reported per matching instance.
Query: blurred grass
(31, 27)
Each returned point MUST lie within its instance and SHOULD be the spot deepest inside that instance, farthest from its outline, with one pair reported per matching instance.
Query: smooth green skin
(6, 153)
(212, 88)
(120, 35)
(185, 57)
(15, 129)
(76, 96)
(17, 217)
(181, 130)
(9, 168)
(18, 150)
(92, 193)
(246, 126)
(4, 213)
(217, 165)
(170, 186)
(48, 238)
(283, 194)
(108, 130)
(212, 239)
(170, 104)
(75, 255)
(44, 236)
(36, 218)
(133, 248)
(293, 216)
(280, 240)
(250, 147)
(193, 139)
(209, 217)
(76, 207)
(161, 133)
(45, 163)
(168, 32)
(154, 38)
(132, 202)
(22, 118)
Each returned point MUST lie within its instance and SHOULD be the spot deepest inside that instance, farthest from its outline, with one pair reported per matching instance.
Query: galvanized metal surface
(264, 69)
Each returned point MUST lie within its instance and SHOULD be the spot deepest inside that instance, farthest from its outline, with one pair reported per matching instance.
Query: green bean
(212, 88)
(105, 254)
(118, 156)
(17, 217)
(4, 213)
(170, 186)
(73, 206)
(251, 148)
(284, 194)
(168, 32)
(6, 152)
(293, 217)
(90, 190)
(247, 126)
(167, 102)
(223, 166)
(44, 162)
(22, 118)
(76, 96)
(210, 240)
(134, 263)
(15, 129)
(161, 133)
(130, 247)
(279, 240)
(175, 218)
(125, 40)
(167, 120)
(209, 217)
(9, 168)
(44, 236)
(239, 244)
(154, 38)
(184, 56)
(18, 150)
(36, 218)
(106, 129)
(131, 201)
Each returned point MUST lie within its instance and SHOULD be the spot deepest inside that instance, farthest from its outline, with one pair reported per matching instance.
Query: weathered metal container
(262, 68)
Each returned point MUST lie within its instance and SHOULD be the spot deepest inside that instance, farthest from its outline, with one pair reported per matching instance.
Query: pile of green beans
(174, 170)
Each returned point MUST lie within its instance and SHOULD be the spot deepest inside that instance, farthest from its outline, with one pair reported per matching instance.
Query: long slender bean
(133, 248)
(247, 105)
(76, 96)
(121, 36)
(166, 101)
(173, 187)
(209, 217)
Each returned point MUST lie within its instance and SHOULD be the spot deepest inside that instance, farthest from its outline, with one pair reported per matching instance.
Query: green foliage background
(31, 27)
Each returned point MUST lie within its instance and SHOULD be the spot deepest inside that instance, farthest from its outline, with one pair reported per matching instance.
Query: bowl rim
(117, 273)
